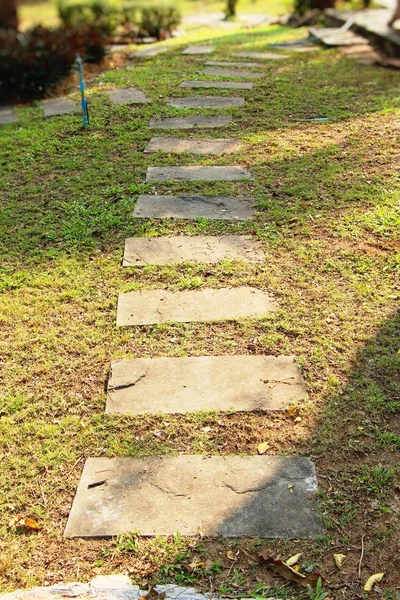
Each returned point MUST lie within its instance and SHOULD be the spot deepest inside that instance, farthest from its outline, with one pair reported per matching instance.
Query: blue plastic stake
(84, 104)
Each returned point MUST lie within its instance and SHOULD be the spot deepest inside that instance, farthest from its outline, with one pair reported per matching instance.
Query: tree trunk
(8, 14)
(230, 10)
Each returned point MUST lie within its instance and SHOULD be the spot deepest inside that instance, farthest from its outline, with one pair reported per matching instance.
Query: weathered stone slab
(193, 207)
(231, 496)
(206, 102)
(224, 383)
(224, 63)
(128, 96)
(190, 122)
(147, 307)
(205, 249)
(193, 50)
(197, 174)
(223, 85)
(217, 72)
(177, 145)
(149, 52)
(7, 115)
(336, 36)
(260, 55)
(54, 107)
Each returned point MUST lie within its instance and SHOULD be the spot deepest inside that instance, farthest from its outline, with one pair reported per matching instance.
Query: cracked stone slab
(147, 307)
(54, 107)
(217, 72)
(230, 64)
(7, 115)
(190, 122)
(223, 85)
(149, 52)
(193, 50)
(106, 587)
(193, 207)
(231, 496)
(205, 249)
(128, 96)
(193, 146)
(260, 55)
(200, 383)
(197, 174)
(206, 102)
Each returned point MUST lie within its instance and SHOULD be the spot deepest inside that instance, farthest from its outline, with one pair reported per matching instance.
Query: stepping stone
(260, 55)
(190, 122)
(148, 307)
(193, 207)
(54, 107)
(224, 383)
(199, 50)
(223, 85)
(230, 496)
(336, 36)
(230, 73)
(127, 96)
(175, 145)
(197, 174)
(149, 52)
(206, 102)
(224, 63)
(7, 115)
(204, 249)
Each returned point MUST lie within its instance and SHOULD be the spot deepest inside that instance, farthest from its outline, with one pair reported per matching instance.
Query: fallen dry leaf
(194, 565)
(152, 594)
(293, 411)
(230, 555)
(339, 558)
(282, 569)
(294, 559)
(376, 578)
(262, 448)
(20, 521)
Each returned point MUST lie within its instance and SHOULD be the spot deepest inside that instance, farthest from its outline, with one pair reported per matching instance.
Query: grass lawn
(329, 221)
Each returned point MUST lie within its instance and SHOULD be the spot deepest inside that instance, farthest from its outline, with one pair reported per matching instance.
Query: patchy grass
(328, 219)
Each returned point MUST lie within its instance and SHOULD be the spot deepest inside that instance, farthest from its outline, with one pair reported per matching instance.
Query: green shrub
(103, 14)
(158, 18)
(32, 61)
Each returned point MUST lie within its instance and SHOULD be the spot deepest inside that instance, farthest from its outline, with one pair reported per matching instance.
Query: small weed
(318, 593)
(378, 480)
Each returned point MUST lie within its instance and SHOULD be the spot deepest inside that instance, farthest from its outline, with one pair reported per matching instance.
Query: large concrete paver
(192, 207)
(194, 50)
(219, 72)
(201, 383)
(53, 107)
(206, 102)
(150, 52)
(147, 307)
(193, 146)
(128, 96)
(197, 173)
(205, 249)
(231, 496)
(190, 122)
(7, 115)
(224, 85)
(232, 64)
(260, 55)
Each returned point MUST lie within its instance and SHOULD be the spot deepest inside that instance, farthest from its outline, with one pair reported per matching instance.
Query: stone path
(147, 307)
(127, 96)
(53, 107)
(7, 115)
(256, 383)
(150, 52)
(177, 145)
(232, 496)
(193, 207)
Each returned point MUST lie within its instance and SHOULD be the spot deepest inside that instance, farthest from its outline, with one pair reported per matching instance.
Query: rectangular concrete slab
(147, 307)
(232, 64)
(54, 107)
(223, 85)
(193, 207)
(230, 496)
(217, 72)
(149, 52)
(260, 55)
(190, 122)
(193, 50)
(204, 249)
(177, 145)
(127, 96)
(206, 102)
(197, 174)
(225, 383)
(7, 115)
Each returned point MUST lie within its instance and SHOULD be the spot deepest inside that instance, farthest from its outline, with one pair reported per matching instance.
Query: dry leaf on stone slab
(376, 578)
(293, 560)
(262, 448)
(282, 569)
(339, 558)
(152, 594)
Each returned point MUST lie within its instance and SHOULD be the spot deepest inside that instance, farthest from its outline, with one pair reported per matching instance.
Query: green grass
(327, 197)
